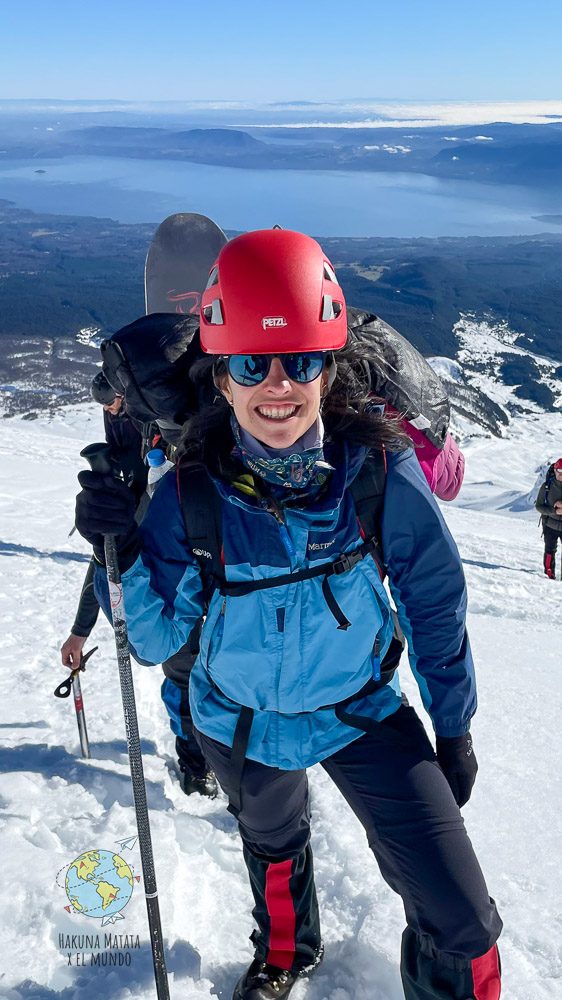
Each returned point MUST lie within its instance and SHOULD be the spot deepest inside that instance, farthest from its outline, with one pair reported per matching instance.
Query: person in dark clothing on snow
(295, 664)
(125, 440)
(549, 506)
(128, 440)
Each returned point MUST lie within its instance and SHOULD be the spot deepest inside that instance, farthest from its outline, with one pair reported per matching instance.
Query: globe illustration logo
(99, 884)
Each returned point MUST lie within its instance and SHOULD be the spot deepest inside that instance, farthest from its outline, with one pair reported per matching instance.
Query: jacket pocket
(215, 630)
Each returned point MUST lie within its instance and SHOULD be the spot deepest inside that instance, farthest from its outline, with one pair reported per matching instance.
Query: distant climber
(125, 439)
(549, 506)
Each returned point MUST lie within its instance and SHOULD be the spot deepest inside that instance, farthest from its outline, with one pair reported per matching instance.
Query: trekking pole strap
(64, 689)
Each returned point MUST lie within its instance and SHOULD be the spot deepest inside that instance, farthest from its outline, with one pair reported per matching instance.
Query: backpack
(399, 374)
(149, 361)
(550, 477)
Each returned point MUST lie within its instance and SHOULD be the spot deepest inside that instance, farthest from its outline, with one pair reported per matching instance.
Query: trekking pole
(80, 717)
(98, 455)
(63, 691)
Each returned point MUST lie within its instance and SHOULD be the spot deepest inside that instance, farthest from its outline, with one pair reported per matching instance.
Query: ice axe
(63, 691)
(99, 457)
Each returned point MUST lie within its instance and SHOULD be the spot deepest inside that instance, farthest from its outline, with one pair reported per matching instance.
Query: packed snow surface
(57, 806)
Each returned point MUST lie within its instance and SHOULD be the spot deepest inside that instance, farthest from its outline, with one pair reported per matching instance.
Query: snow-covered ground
(56, 806)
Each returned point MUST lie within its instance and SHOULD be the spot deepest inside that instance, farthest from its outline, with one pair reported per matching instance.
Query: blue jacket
(279, 650)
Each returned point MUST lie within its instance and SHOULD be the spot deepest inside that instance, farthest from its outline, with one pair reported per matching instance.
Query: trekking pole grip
(99, 457)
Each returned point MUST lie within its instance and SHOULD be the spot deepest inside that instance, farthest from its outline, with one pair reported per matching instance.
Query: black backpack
(149, 361)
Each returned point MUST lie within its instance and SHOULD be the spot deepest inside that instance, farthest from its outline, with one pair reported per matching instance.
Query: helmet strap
(331, 371)
(219, 371)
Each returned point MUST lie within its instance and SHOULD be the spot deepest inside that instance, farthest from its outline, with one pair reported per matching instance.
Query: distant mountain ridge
(502, 152)
(131, 137)
(492, 304)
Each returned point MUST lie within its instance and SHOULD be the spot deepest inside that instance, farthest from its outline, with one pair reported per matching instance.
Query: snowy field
(56, 806)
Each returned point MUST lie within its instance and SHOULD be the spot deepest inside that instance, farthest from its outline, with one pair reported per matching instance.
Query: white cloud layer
(334, 114)
(394, 114)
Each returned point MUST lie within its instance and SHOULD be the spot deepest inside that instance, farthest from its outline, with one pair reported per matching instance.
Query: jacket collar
(235, 486)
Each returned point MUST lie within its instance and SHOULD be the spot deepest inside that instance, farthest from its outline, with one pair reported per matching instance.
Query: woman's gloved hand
(458, 763)
(107, 507)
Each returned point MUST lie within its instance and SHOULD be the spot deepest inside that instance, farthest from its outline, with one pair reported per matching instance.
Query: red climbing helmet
(272, 290)
(558, 465)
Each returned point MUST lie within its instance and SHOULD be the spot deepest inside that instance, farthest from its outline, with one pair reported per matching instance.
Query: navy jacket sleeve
(88, 606)
(162, 590)
(427, 583)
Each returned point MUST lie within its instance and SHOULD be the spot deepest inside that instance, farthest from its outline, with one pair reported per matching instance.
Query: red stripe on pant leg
(281, 912)
(486, 976)
(548, 565)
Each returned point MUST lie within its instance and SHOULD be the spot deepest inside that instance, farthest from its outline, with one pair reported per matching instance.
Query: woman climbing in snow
(295, 495)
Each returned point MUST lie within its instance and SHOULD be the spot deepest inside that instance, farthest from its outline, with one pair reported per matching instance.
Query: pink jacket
(444, 470)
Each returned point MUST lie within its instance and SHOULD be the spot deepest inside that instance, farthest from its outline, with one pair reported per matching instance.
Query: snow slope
(56, 806)
(489, 369)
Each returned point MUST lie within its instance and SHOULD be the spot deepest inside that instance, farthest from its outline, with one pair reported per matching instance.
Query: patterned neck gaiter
(297, 467)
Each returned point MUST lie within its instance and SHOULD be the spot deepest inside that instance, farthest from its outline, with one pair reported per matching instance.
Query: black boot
(205, 782)
(266, 982)
(195, 773)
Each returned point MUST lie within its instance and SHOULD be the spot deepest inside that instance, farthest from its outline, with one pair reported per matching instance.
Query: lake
(321, 203)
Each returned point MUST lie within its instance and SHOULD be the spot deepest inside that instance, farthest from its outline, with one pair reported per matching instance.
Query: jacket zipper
(220, 623)
(377, 663)
(272, 507)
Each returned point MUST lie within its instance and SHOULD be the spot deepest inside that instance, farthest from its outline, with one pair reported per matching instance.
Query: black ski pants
(391, 779)
(551, 537)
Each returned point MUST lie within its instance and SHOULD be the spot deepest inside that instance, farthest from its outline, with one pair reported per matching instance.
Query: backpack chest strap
(202, 512)
(341, 565)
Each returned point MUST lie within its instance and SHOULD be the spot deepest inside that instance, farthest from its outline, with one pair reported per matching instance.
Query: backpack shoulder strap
(201, 508)
(367, 490)
(548, 483)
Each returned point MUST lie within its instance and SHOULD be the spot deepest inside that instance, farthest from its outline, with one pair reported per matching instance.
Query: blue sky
(294, 49)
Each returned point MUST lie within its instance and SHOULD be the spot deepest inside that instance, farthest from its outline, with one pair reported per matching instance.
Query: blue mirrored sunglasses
(251, 369)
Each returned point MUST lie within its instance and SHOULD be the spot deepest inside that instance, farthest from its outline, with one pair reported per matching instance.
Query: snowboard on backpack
(149, 360)
(183, 251)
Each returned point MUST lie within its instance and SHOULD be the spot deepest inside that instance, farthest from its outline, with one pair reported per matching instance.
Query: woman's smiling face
(278, 411)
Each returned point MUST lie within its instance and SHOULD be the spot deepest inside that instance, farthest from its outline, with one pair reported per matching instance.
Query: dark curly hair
(348, 410)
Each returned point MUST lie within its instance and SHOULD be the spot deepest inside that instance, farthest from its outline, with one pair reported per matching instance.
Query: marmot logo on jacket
(317, 546)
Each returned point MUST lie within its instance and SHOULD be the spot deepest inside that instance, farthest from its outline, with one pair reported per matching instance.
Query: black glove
(458, 763)
(107, 507)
